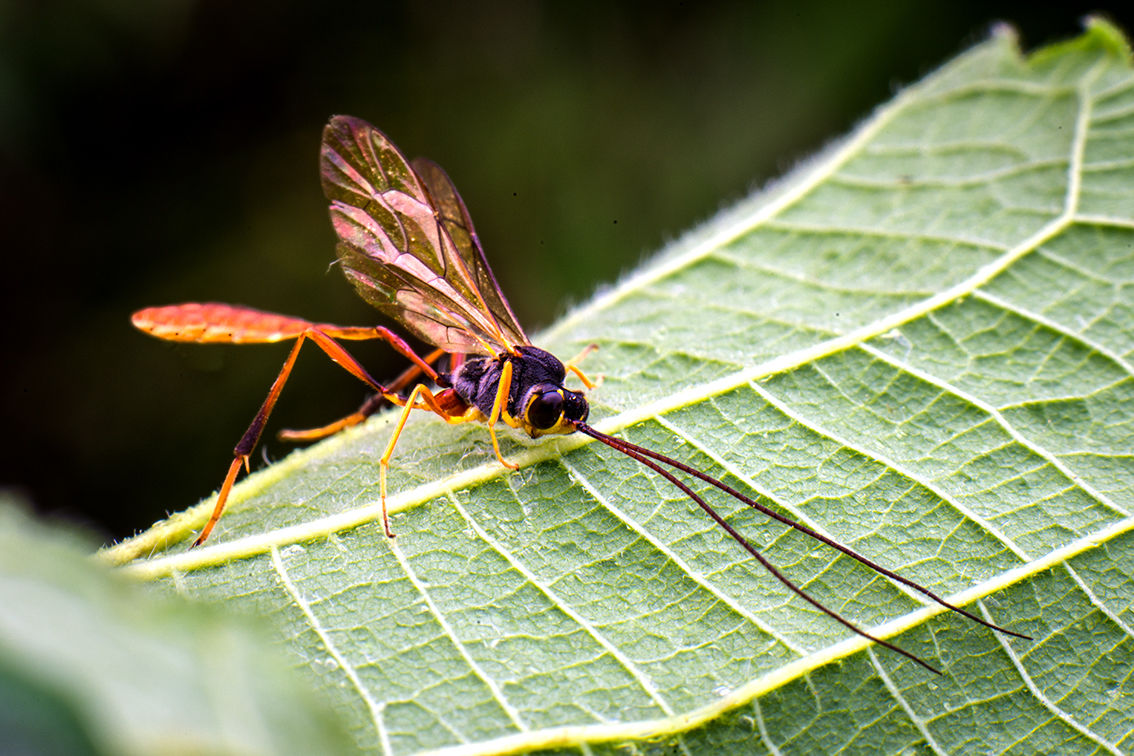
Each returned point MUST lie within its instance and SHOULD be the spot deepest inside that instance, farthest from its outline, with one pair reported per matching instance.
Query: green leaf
(91, 663)
(920, 343)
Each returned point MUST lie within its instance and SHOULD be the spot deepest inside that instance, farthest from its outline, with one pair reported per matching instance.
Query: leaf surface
(920, 343)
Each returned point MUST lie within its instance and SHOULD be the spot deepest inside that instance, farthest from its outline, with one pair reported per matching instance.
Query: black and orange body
(537, 402)
(407, 244)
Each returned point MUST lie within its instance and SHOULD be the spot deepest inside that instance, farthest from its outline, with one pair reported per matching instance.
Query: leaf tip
(1108, 36)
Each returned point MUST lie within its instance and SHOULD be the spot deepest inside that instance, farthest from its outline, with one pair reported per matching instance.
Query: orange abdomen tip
(213, 322)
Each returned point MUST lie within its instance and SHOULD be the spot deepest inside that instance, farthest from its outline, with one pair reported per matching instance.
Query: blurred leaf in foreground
(91, 663)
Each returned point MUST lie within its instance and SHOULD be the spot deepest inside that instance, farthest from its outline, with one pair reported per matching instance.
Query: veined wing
(455, 218)
(397, 247)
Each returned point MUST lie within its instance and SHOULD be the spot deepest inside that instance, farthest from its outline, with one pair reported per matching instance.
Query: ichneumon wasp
(408, 245)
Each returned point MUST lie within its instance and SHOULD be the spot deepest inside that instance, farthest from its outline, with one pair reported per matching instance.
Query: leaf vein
(1104, 221)
(1000, 420)
(642, 679)
(374, 707)
(891, 464)
(918, 722)
(873, 232)
(1055, 326)
(458, 644)
(942, 182)
(753, 265)
(1063, 262)
(1098, 603)
(695, 575)
(1044, 701)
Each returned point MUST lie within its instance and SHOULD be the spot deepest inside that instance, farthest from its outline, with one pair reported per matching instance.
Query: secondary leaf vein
(373, 706)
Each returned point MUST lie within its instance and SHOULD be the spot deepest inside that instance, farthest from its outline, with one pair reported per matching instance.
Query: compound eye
(545, 410)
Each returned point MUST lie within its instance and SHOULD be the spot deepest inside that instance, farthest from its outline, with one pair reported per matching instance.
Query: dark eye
(545, 410)
(575, 407)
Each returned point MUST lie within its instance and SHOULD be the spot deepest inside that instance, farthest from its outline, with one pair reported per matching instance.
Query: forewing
(432, 317)
(455, 218)
(395, 249)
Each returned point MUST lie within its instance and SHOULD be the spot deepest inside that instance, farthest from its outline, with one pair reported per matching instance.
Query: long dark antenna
(650, 458)
(631, 450)
(624, 446)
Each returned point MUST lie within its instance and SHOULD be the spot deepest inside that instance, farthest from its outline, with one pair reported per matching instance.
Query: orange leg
(502, 391)
(571, 365)
(217, 323)
(391, 338)
(373, 403)
(251, 437)
(213, 322)
(428, 402)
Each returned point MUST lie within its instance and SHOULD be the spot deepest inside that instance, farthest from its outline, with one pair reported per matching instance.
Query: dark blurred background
(158, 152)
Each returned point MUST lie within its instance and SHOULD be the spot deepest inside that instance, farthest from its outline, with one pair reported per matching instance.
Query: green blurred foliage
(160, 152)
(92, 662)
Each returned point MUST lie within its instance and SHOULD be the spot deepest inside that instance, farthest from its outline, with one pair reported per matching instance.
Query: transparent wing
(455, 218)
(396, 244)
